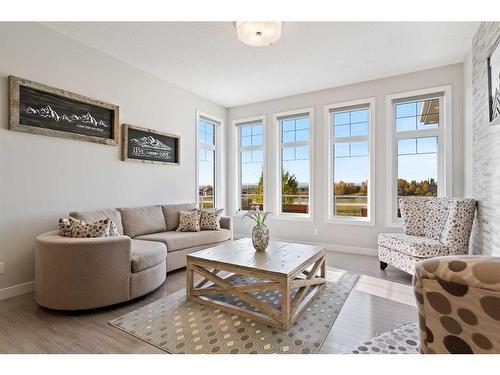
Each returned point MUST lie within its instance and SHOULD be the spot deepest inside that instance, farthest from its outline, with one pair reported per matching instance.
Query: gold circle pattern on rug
(179, 326)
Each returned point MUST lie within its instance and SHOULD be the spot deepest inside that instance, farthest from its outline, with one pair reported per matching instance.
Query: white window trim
(237, 170)
(445, 149)
(277, 143)
(219, 152)
(329, 217)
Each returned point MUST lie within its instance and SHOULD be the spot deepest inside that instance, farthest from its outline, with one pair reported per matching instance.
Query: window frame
(279, 215)
(330, 109)
(236, 124)
(445, 144)
(218, 178)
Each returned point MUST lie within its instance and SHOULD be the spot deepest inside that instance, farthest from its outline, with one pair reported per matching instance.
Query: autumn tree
(289, 186)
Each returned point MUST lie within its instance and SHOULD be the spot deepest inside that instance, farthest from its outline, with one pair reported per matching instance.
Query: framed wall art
(149, 146)
(40, 109)
(494, 83)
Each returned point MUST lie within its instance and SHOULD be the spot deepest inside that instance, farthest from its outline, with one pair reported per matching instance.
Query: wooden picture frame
(40, 109)
(149, 146)
(493, 62)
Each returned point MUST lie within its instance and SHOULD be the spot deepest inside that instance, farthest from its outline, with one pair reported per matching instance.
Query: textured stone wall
(486, 147)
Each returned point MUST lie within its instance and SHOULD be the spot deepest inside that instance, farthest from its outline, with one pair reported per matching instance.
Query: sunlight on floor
(386, 289)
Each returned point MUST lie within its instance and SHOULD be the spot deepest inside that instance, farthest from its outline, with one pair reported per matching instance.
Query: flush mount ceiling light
(258, 34)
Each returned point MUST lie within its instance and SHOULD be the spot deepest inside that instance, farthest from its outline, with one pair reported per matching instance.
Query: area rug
(178, 326)
(402, 340)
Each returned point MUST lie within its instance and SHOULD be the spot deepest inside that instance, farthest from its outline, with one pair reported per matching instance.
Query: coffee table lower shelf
(297, 290)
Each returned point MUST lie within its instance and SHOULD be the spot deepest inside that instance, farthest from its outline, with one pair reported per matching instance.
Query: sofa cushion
(96, 215)
(142, 220)
(147, 254)
(182, 240)
(415, 246)
(171, 213)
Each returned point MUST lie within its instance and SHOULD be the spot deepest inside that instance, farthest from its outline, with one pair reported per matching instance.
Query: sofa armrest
(226, 222)
(468, 270)
(458, 295)
(81, 273)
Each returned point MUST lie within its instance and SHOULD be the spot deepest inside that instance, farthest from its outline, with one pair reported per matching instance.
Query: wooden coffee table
(288, 267)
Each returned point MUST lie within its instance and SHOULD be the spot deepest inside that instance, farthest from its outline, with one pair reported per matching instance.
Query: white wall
(486, 146)
(468, 126)
(344, 237)
(43, 178)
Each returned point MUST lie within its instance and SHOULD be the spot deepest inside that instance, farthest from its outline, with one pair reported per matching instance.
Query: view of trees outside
(295, 173)
(252, 195)
(351, 199)
(251, 145)
(417, 157)
(206, 164)
(293, 192)
(350, 162)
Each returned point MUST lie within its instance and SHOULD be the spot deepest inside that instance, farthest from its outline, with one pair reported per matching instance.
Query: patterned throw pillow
(113, 229)
(86, 230)
(189, 221)
(66, 227)
(210, 219)
(65, 224)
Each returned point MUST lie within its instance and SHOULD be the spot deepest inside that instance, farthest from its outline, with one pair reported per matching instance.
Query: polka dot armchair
(458, 300)
(432, 227)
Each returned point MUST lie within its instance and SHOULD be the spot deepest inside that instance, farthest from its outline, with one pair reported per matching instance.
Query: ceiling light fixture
(258, 34)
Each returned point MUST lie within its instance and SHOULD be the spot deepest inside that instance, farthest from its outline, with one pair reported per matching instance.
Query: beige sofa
(86, 273)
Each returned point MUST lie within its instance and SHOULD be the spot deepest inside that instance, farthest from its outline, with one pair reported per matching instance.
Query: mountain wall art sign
(40, 109)
(149, 146)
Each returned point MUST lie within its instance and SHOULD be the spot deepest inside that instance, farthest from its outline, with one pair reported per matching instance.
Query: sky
(417, 158)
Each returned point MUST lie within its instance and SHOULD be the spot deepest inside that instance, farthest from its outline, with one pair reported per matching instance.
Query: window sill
(293, 217)
(350, 221)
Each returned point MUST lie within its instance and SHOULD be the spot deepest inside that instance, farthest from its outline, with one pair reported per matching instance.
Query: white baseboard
(17, 290)
(327, 246)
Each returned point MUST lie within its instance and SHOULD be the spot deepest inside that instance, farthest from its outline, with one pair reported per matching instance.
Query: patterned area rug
(402, 340)
(179, 326)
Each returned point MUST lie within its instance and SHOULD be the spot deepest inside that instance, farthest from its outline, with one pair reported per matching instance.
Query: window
(207, 129)
(350, 161)
(294, 169)
(418, 131)
(251, 163)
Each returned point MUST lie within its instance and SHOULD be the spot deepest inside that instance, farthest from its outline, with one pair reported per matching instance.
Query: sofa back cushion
(142, 220)
(96, 215)
(171, 213)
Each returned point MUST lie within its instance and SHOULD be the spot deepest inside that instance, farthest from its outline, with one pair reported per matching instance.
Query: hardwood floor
(380, 301)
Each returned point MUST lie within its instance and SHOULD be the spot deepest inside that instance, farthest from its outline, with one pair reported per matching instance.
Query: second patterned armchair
(432, 227)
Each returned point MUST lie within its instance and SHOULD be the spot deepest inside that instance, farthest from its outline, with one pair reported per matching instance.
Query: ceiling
(207, 58)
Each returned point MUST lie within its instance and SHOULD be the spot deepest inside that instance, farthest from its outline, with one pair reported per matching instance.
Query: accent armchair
(458, 301)
(432, 227)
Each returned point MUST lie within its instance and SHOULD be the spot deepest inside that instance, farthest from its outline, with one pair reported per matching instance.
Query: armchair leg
(383, 265)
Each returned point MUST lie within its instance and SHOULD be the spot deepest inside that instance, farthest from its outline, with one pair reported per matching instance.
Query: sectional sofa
(86, 273)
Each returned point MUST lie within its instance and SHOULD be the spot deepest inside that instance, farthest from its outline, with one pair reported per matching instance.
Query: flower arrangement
(257, 215)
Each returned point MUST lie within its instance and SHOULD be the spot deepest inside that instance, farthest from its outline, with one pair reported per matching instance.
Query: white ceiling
(207, 58)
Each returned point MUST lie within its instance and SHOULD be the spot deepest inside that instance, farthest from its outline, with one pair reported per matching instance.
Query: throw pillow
(64, 227)
(189, 221)
(113, 229)
(210, 219)
(86, 230)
